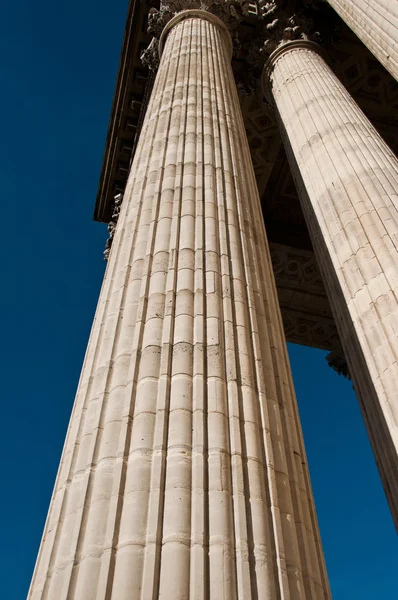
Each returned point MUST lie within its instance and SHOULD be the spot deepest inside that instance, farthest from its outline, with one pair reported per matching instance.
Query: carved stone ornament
(279, 22)
(282, 26)
(229, 11)
(276, 23)
(337, 361)
(112, 224)
(150, 56)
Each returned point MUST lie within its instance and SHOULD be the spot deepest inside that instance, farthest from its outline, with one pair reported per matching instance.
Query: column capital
(227, 14)
(271, 24)
(201, 14)
(287, 21)
(280, 22)
(285, 46)
(230, 12)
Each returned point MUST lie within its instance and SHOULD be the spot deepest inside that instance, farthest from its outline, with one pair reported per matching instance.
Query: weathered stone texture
(375, 22)
(184, 473)
(347, 179)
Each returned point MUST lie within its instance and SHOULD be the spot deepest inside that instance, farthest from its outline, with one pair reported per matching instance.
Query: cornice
(125, 112)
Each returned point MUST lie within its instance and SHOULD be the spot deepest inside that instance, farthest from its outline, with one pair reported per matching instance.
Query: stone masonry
(184, 474)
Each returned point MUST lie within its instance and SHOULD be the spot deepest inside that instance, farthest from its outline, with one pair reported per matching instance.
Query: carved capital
(229, 11)
(268, 25)
(282, 25)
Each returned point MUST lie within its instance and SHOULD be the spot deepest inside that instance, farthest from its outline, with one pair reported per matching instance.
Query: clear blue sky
(59, 62)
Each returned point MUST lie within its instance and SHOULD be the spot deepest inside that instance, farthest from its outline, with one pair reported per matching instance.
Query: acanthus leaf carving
(277, 22)
(284, 24)
(150, 56)
(229, 11)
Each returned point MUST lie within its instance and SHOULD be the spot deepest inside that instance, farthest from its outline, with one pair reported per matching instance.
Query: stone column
(184, 473)
(375, 22)
(347, 179)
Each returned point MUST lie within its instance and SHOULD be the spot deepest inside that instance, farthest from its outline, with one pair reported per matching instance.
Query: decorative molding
(271, 24)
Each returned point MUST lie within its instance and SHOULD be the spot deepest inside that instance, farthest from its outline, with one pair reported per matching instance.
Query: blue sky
(58, 69)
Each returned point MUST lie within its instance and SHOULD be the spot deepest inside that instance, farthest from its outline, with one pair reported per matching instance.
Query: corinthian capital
(283, 23)
(229, 11)
(150, 56)
(279, 22)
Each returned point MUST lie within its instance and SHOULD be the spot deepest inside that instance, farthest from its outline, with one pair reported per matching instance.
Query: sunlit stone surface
(184, 475)
(347, 178)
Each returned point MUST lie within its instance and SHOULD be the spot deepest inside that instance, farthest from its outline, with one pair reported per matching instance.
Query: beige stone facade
(184, 474)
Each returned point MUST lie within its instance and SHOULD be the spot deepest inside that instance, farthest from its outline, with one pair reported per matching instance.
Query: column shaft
(375, 22)
(184, 474)
(347, 179)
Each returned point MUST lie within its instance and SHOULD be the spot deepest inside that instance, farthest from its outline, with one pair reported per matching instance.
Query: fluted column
(184, 474)
(375, 22)
(347, 179)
